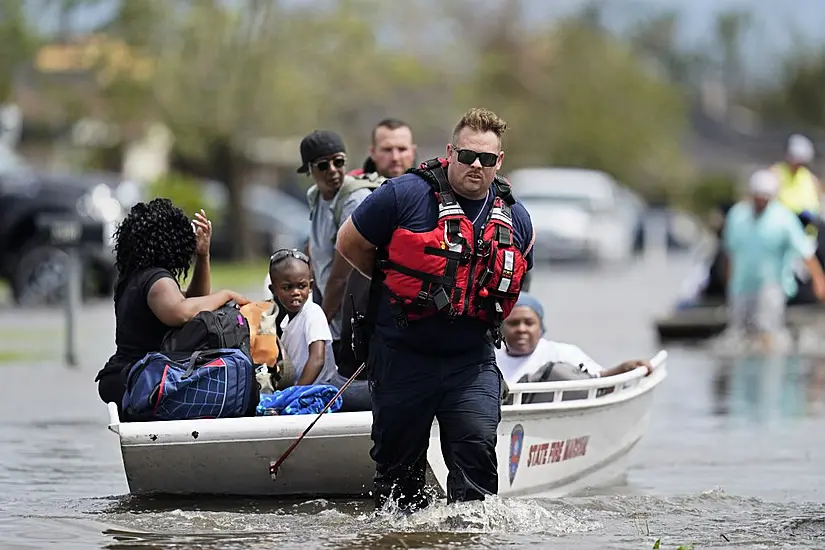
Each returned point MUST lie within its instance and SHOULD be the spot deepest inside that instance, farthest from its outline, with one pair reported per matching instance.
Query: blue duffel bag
(218, 383)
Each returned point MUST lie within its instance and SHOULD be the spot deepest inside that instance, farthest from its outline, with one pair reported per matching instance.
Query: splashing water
(494, 515)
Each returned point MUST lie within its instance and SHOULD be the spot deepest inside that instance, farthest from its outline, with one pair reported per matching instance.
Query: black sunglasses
(323, 166)
(284, 253)
(468, 156)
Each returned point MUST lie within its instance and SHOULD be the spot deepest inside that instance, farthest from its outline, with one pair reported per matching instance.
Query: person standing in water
(761, 238)
(451, 245)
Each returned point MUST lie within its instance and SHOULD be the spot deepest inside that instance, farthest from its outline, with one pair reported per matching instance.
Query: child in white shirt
(306, 335)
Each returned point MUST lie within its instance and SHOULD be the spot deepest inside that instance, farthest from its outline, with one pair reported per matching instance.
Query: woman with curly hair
(154, 248)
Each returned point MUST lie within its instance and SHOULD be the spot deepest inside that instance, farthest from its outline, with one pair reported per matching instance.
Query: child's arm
(317, 357)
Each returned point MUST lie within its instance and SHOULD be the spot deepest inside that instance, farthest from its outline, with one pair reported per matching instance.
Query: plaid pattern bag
(216, 383)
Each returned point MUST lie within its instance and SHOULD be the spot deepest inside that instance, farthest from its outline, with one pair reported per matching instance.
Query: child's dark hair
(284, 258)
(280, 260)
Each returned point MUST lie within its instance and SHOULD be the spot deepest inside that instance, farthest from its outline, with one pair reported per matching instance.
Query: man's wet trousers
(409, 391)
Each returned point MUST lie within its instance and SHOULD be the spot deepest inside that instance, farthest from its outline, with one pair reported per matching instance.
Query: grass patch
(239, 276)
(10, 336)
(17, 356)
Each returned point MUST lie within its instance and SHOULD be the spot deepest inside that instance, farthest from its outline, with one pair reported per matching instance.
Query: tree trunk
(223, 165)
(228, 168)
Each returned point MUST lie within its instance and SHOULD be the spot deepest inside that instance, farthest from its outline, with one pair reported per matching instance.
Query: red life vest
(448, 271)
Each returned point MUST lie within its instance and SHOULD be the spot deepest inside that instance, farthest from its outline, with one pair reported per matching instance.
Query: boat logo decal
(516, 440)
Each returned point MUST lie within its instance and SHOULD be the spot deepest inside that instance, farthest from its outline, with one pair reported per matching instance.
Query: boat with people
(551, 446)
(700, 312)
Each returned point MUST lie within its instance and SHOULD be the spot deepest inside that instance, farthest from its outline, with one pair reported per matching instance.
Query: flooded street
(734, 457)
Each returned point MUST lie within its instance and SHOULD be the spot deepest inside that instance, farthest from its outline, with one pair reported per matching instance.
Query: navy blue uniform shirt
(408, 202)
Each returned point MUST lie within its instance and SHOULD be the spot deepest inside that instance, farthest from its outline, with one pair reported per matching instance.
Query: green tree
(655, 37)
(577, 97)
(185, 192)
(18, 42)
(226, 74)
(731, 28)
(797, 95)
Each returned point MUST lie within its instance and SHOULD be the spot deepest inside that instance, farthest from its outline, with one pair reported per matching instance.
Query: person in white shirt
(526, 352)
(306, 335)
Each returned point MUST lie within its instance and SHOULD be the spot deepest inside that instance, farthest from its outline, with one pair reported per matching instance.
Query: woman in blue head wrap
(530, 301)
(524, 327)
(526, 350)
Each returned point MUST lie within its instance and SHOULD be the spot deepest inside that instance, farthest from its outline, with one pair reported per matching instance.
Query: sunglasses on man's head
(284, 253)
(324, 165)
(468, 156)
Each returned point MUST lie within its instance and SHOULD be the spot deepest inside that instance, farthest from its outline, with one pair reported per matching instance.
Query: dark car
(30, 262)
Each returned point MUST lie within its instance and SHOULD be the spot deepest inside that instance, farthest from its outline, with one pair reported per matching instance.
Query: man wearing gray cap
(762, 237)
(332, 198)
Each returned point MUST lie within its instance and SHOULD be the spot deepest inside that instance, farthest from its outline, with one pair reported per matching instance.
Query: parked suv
(35, 268)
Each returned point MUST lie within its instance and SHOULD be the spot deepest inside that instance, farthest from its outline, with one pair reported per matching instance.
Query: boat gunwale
(626, 386)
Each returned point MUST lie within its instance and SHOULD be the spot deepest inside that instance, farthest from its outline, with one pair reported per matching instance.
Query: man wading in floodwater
(762, 237)
(451, 246)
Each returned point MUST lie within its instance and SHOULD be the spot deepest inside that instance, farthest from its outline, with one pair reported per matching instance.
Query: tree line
(219, 74)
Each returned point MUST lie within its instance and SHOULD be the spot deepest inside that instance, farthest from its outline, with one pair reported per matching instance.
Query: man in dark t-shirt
(441, 365)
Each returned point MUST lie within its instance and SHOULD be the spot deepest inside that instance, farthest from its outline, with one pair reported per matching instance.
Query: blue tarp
(299, 400)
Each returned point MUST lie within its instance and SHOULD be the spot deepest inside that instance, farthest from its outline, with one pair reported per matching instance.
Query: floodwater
(734, 457)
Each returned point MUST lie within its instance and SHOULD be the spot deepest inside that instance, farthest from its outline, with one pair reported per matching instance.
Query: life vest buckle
(441, 299)
(483, 248)
(453, 246)
(398, 314)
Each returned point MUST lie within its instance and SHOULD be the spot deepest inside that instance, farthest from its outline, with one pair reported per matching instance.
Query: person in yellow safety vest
(799, 189)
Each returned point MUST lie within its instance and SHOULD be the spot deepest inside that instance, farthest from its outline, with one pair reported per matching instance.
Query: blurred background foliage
(225, 77)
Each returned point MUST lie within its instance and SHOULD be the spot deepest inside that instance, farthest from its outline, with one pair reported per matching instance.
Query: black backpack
(359, 294)
(209, 330)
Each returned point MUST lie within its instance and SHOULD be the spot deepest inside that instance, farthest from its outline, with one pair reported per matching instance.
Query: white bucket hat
(800, 149)
(764, 183)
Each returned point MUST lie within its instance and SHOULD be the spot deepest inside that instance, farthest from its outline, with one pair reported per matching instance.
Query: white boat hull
(544, 449)
(569, 451)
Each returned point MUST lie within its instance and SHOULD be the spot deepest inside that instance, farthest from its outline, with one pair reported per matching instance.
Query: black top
(137, 330)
